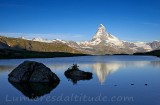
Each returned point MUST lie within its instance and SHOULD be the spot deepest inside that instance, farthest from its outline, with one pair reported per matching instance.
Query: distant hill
(154, 53)
(29, 45)
(21, 48)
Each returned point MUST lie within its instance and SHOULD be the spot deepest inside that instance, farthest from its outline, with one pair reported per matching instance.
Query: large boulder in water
(31, 71)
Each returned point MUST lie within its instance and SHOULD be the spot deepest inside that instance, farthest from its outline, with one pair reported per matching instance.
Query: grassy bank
(152, 53)
(11, 54)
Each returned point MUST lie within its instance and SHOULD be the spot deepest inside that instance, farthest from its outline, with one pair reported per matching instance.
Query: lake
(117, 80)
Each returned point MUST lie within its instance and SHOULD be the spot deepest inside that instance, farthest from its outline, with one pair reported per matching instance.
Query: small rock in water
(132, 84)
(115, 85)
(74, 74)
(146, 84)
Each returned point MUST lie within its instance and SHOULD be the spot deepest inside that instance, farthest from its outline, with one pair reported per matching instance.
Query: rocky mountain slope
(29, 45)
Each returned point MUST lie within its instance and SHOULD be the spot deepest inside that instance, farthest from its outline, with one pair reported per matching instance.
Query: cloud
(62, 36)
(78, 36)
(153, 24)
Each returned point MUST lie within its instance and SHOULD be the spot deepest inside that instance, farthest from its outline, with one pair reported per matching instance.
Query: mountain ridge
(106, 43)
(29, 45)
(101, 43)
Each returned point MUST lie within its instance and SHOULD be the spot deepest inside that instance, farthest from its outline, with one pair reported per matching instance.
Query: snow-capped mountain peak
(103, 36)
(101, 33)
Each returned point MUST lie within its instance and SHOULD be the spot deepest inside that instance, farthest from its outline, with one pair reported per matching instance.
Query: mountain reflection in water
(102, 70)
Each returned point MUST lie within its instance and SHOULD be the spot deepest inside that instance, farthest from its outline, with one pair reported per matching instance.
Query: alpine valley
(102, 43)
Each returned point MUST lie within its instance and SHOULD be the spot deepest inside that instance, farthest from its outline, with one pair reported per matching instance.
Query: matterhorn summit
(103, 36)
(101, 33)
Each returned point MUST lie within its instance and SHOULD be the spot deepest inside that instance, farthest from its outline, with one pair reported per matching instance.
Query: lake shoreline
(151, 53)
(23, 54)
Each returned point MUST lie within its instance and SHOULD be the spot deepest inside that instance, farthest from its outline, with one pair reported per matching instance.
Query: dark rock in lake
(35, 90)
(145, 84)
(74, 74)
(31, 71)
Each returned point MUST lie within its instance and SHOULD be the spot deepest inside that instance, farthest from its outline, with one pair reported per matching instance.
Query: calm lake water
(117, 80)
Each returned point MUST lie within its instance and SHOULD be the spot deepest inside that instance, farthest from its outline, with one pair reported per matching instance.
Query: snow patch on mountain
(39, 39)
(59, 40)
(143, 45)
